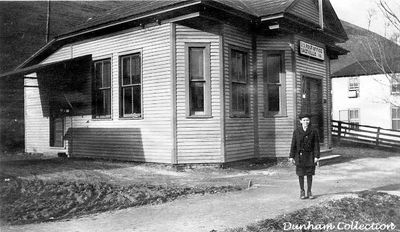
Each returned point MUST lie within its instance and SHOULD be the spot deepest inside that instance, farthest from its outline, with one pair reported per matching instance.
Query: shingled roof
(369, 67)
(253, 11)
(136, 8)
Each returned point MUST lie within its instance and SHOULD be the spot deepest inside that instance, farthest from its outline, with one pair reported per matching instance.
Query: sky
(356, 12)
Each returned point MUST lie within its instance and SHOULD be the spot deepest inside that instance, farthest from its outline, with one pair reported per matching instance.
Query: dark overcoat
(305, 146)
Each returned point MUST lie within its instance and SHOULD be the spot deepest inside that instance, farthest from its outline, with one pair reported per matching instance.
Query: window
(274, 83)
(354, 83)
(354, 87)
(396, 118)
(131, 86)
(239, 83)
(102, 89)
(198, 79)
(396, 84)
(354, 118)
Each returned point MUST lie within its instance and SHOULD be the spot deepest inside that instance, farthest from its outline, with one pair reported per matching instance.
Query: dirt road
(275, 195)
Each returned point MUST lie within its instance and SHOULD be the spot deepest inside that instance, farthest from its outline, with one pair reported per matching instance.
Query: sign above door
(313, 51)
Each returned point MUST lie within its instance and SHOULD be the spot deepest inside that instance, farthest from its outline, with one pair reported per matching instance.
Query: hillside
(23, 32)
(360, 44)
(23, 25)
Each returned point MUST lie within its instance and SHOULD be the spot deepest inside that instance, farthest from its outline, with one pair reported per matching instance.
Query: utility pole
(48, 22)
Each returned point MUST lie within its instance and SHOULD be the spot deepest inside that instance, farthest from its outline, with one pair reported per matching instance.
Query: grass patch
(29, 201)
(366, 208)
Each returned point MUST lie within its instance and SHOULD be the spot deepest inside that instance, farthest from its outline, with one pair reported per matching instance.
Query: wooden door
(312, 103)
(56, 132)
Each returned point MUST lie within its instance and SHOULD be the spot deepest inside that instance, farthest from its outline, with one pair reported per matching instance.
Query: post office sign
(313, 51)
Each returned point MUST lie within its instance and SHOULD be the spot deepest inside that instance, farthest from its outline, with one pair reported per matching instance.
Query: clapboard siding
(37, 133)
(155, 127)
(275, 132)
(306, 65)
(239, 131)
(198, 140)
(307, 9)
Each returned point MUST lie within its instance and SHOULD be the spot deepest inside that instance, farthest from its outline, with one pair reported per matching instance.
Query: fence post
(377, 136)
(339, 130)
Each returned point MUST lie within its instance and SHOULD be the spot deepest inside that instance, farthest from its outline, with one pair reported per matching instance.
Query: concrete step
(328, 159)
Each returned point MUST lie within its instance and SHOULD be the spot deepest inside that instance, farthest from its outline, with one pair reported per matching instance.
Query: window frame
(131, 85)
(394, 82)
(282, 85)
(395, 119)
(246, 83)
(207, 80)
(354, 124)
(97, 90)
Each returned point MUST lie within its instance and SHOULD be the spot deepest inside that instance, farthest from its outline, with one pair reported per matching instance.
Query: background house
(363, 89)
(362, 93)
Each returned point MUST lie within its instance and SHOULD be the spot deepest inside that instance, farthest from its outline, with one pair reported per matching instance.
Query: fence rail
(366, 134)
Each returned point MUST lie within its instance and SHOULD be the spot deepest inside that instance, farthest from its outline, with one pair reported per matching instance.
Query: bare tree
(385, 58)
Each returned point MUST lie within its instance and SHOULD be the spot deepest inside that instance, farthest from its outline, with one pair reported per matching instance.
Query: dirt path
(276, 195)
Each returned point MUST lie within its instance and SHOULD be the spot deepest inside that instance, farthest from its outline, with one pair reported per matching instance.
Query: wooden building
(195, 81)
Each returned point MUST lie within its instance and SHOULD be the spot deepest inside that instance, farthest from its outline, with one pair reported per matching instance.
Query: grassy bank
(346, 214)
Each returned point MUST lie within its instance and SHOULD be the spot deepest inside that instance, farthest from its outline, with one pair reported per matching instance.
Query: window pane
(106, 74)
(127, 98)
(197, 97)
(196, 63)
(273, 98)
(396, 113)
(396, 124)
(137, 102)
(239, 98)
(126, 71)
(235, 96)
(234, 67)
(238, 66)
(136, 72)
(98, 76)
(273, 68)
(107, 102)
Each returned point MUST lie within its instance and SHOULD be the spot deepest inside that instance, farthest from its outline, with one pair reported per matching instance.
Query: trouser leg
(309, 183)
(301, 182)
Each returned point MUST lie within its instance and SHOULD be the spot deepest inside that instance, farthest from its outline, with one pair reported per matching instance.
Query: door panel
(312, 102)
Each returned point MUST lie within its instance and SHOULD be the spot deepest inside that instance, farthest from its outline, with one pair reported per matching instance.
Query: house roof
(369, 67)
(135, 8)
(122, 17)
(363, 46)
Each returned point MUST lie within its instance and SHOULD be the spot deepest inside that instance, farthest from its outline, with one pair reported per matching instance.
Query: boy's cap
(304, 115)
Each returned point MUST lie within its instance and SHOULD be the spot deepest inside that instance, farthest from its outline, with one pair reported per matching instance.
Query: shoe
(310, 196)
(302, 195)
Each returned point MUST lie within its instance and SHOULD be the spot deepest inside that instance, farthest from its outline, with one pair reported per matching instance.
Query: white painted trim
(271, 17)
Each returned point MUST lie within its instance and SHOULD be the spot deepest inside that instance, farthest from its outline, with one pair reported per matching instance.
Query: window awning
(65, 87)
(43, 67)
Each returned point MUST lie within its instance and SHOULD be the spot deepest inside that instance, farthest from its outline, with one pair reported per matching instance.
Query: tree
(386, 58)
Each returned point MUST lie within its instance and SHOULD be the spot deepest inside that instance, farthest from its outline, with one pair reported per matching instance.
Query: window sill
(130, 118)
(275, 116)
(199, 117)
(57, 148)
(102, 119)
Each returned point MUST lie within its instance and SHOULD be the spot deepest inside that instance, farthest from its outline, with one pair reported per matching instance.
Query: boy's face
(305, 122)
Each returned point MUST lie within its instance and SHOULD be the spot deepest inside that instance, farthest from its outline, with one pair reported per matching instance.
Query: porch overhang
(64, 86)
